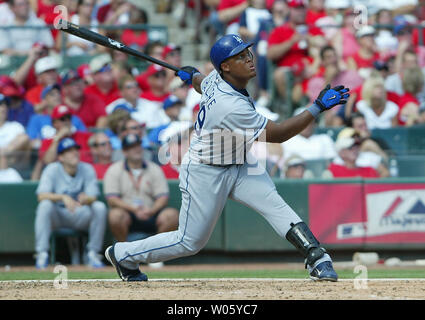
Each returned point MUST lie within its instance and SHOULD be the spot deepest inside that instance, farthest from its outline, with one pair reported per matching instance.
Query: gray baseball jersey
(227, 124)
(54, 179)
(212, 171)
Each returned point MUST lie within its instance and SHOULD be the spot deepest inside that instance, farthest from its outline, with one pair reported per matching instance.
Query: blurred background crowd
(53, 85)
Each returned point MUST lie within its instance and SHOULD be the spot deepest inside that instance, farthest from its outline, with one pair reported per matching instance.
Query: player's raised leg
(265, 199)
(198, 216)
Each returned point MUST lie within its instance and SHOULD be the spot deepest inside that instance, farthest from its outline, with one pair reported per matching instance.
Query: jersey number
(200, 121)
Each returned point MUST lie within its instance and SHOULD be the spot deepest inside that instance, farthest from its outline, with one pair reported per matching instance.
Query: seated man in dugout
(68, 198)
(137, 193)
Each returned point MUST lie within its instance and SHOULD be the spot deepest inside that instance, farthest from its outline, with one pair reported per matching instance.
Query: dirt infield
(213, 289)
(234, 289)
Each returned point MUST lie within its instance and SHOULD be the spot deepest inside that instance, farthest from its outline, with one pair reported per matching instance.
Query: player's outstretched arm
(191, 75)
(327, 99)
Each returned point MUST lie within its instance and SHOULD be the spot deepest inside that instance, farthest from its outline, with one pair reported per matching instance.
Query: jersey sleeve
(47, 180)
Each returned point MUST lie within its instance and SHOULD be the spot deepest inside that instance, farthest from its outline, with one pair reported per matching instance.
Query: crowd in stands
(108, 119)
(299, 47)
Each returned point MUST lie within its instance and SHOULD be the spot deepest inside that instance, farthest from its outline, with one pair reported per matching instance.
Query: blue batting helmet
(226, 47)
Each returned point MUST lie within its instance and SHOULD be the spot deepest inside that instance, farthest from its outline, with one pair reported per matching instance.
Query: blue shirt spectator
(40, 126)
(22, 113)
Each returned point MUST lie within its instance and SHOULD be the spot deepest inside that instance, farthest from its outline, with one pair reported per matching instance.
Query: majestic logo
(388, 212)
(333, 97)
(115, 43)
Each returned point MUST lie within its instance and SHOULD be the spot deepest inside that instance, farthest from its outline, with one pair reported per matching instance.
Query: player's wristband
(314, 110)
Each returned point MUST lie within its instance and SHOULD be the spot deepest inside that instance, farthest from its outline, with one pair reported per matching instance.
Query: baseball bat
(92, 36)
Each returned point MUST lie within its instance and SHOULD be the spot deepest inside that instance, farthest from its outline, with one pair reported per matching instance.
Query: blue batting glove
(329, 98)
(186, 74)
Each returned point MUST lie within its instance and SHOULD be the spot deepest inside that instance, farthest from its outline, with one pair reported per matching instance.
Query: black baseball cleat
(324, 272)
(124, 273)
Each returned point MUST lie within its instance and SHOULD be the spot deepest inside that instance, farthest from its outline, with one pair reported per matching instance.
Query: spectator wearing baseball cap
(61, 122)
(89, 107)
(153, 99)
(363, 59)
(104, 84)
(346, 164)
(20, 109)
(153, 49)
(46, 71)
(171, 107)
(295, 167)
(67, 193)
(40, 125)
(131, 101)
(25, 74)
(156, 78)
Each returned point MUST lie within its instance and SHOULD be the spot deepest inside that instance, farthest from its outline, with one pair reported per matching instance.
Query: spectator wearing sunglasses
(131, 102)
(101, 151)
(89, 107)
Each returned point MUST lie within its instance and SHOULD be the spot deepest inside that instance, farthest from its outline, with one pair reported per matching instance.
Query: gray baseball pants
(205, 190)
(51, 216)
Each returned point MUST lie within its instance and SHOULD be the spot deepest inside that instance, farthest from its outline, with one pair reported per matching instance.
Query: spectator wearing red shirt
(315, 11)
(45, 10)
(61, 121)
(25, 74)
(136, 39)
(90, 108)
(413, 83)
(153, 49)
(171, 55)
(287, 47)
(101, 151)
(105, 85)
(228, 14)
(47, 75)
(156, 78)
(178, 146)
(344, 40)
(114, 12)
(363, 59)
(348, 149)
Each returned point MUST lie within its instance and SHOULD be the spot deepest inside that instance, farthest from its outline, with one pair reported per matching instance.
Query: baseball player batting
(212, 173)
